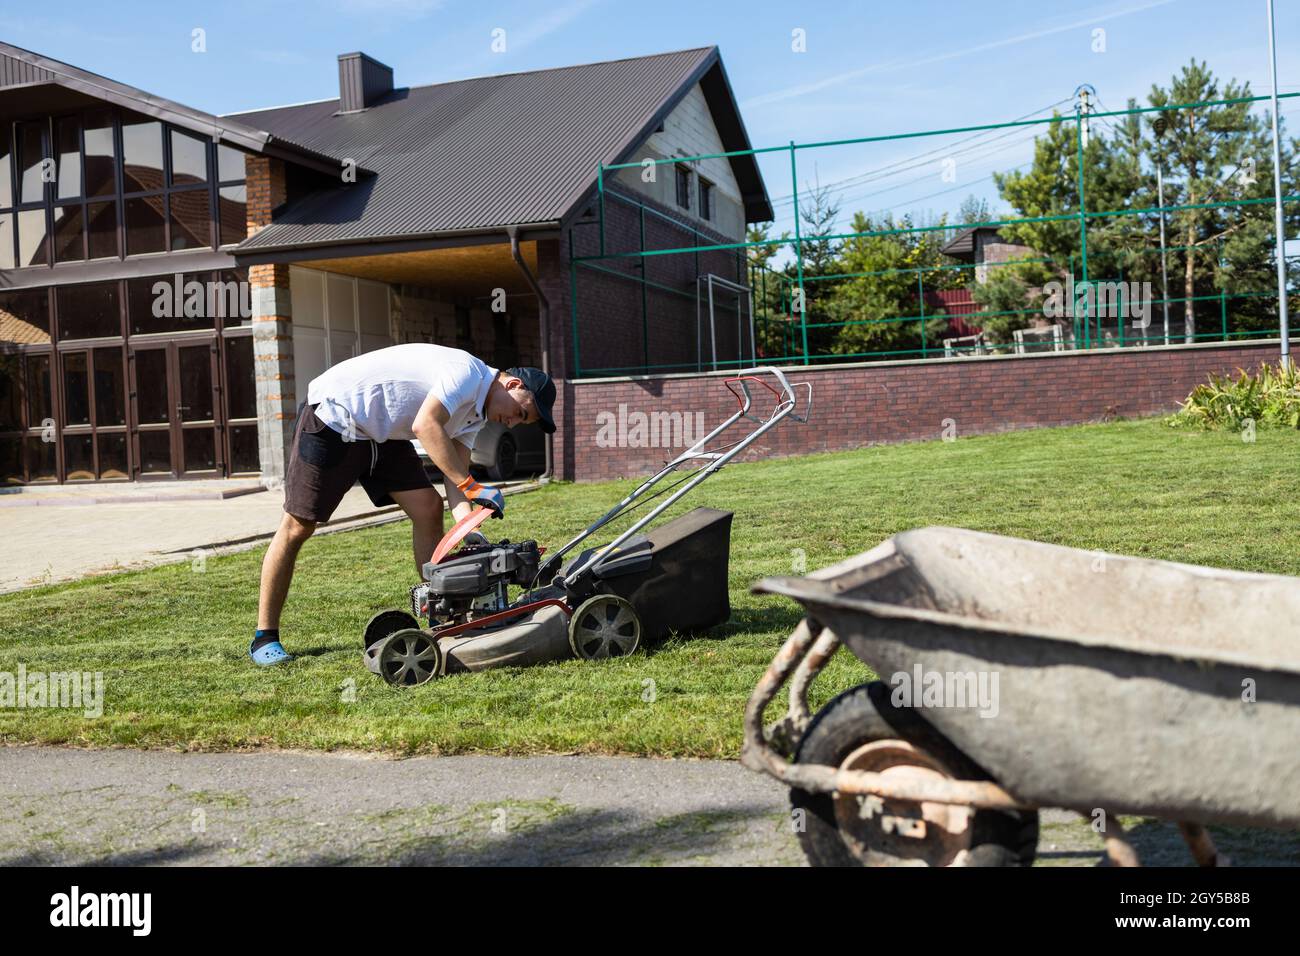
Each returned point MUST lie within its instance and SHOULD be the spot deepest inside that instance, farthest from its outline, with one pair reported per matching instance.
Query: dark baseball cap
(543, 389)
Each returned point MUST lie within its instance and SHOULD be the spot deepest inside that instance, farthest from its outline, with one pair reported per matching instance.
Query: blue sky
(869, 68)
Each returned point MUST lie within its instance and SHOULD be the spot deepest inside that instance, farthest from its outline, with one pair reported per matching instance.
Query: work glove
(483, 495)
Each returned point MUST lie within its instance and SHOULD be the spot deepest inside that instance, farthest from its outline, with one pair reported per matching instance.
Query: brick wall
(860, 405)
(272, 323)
(423, 314)
(689, 131)
(611, 332)
(991, 249)
(612, 335)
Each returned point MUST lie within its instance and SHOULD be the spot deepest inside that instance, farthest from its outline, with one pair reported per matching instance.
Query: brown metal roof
(962, 245)
(481, 154)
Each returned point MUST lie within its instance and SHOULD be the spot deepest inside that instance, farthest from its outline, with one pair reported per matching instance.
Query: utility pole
(1084, 93)
(1284, 325)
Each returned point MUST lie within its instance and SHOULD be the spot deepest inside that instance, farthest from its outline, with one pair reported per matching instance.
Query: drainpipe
(544, 320)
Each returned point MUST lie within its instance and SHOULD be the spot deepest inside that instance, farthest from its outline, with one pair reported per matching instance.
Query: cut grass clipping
(171, 642)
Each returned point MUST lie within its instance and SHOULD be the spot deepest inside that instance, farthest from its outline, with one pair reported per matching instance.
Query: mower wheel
(604, 626)
(385, 623)
(407, 658)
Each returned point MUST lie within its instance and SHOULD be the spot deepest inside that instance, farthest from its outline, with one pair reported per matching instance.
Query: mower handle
(786, 398)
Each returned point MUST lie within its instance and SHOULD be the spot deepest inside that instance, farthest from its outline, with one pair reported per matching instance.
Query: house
(983, 246)
(171, 280)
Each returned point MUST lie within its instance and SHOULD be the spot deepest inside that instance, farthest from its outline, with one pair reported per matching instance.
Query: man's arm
(456, 500)
(452, 458)
(430, 427)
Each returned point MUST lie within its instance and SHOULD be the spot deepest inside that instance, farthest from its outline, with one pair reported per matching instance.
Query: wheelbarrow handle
(811, 640)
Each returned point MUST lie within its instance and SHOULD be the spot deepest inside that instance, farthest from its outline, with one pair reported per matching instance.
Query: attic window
(684, 187)
(706, 199)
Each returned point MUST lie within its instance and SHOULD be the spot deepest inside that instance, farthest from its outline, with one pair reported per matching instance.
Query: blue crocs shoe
(269, 654)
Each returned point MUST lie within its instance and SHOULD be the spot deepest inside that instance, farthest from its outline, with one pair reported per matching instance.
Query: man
(357, 424)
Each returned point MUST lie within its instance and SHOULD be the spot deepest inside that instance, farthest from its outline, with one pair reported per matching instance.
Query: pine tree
(1211, 154)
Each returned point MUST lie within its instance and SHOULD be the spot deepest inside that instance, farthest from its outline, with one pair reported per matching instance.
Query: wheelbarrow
(1016, 675)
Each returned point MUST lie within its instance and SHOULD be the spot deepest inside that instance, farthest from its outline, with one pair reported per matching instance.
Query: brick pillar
(272, 325)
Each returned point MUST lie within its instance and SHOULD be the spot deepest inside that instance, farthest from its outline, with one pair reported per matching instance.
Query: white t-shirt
(380, 392)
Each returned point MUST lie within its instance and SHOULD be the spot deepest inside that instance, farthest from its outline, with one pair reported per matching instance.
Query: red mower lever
(749, 378)
(458, 533)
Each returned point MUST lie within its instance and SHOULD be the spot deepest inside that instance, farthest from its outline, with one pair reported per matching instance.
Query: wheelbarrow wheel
(604, 626)
(862, 729)
(406, 658)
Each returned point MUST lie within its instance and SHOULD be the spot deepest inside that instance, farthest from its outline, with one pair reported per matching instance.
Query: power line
(980, 159)
(979, 148)
(857, 197)
(951, 189)
(856, 179)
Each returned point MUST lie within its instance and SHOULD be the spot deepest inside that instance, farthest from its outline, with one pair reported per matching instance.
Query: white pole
(740, 334)
(713, 329)
(699, 330)
(1164, 265)
(753, 342)
(1284, 327)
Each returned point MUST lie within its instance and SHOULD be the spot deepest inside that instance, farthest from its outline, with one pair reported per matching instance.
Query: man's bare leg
(424, 507)
(277, 569)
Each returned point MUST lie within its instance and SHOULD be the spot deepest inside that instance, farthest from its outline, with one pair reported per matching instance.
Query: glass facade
(129, 377)
(106, 184)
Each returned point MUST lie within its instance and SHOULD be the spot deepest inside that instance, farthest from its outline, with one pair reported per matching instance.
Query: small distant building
(982, 246)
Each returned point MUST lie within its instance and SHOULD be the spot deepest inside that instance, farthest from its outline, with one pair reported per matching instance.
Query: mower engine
(475, 583)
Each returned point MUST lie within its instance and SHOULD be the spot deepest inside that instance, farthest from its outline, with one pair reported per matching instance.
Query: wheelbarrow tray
(1123, 683)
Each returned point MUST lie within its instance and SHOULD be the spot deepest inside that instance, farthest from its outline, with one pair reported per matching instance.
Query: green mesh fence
(641, 276)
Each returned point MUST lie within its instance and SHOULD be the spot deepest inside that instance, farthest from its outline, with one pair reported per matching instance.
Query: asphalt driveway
(131, 807)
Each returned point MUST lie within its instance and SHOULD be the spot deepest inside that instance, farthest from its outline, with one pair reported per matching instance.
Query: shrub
(1269, 397)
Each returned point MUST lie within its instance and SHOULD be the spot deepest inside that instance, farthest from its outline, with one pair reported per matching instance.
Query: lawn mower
(603, 603)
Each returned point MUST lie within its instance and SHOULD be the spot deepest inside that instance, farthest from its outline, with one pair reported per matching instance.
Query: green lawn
(171, 641)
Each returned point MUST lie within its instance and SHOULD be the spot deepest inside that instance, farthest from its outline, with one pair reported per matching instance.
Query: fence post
(920, 298)
(1082, 324)
(1083, 219)
(600, 189)
(798, 245)
(573, 300)
(1279, 219)
(645, 318)
(1223, 293)
(1121, 309)
(788, 334)
(1073, 305)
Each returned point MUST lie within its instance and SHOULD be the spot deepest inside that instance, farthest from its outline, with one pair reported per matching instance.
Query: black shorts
(322, 467)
